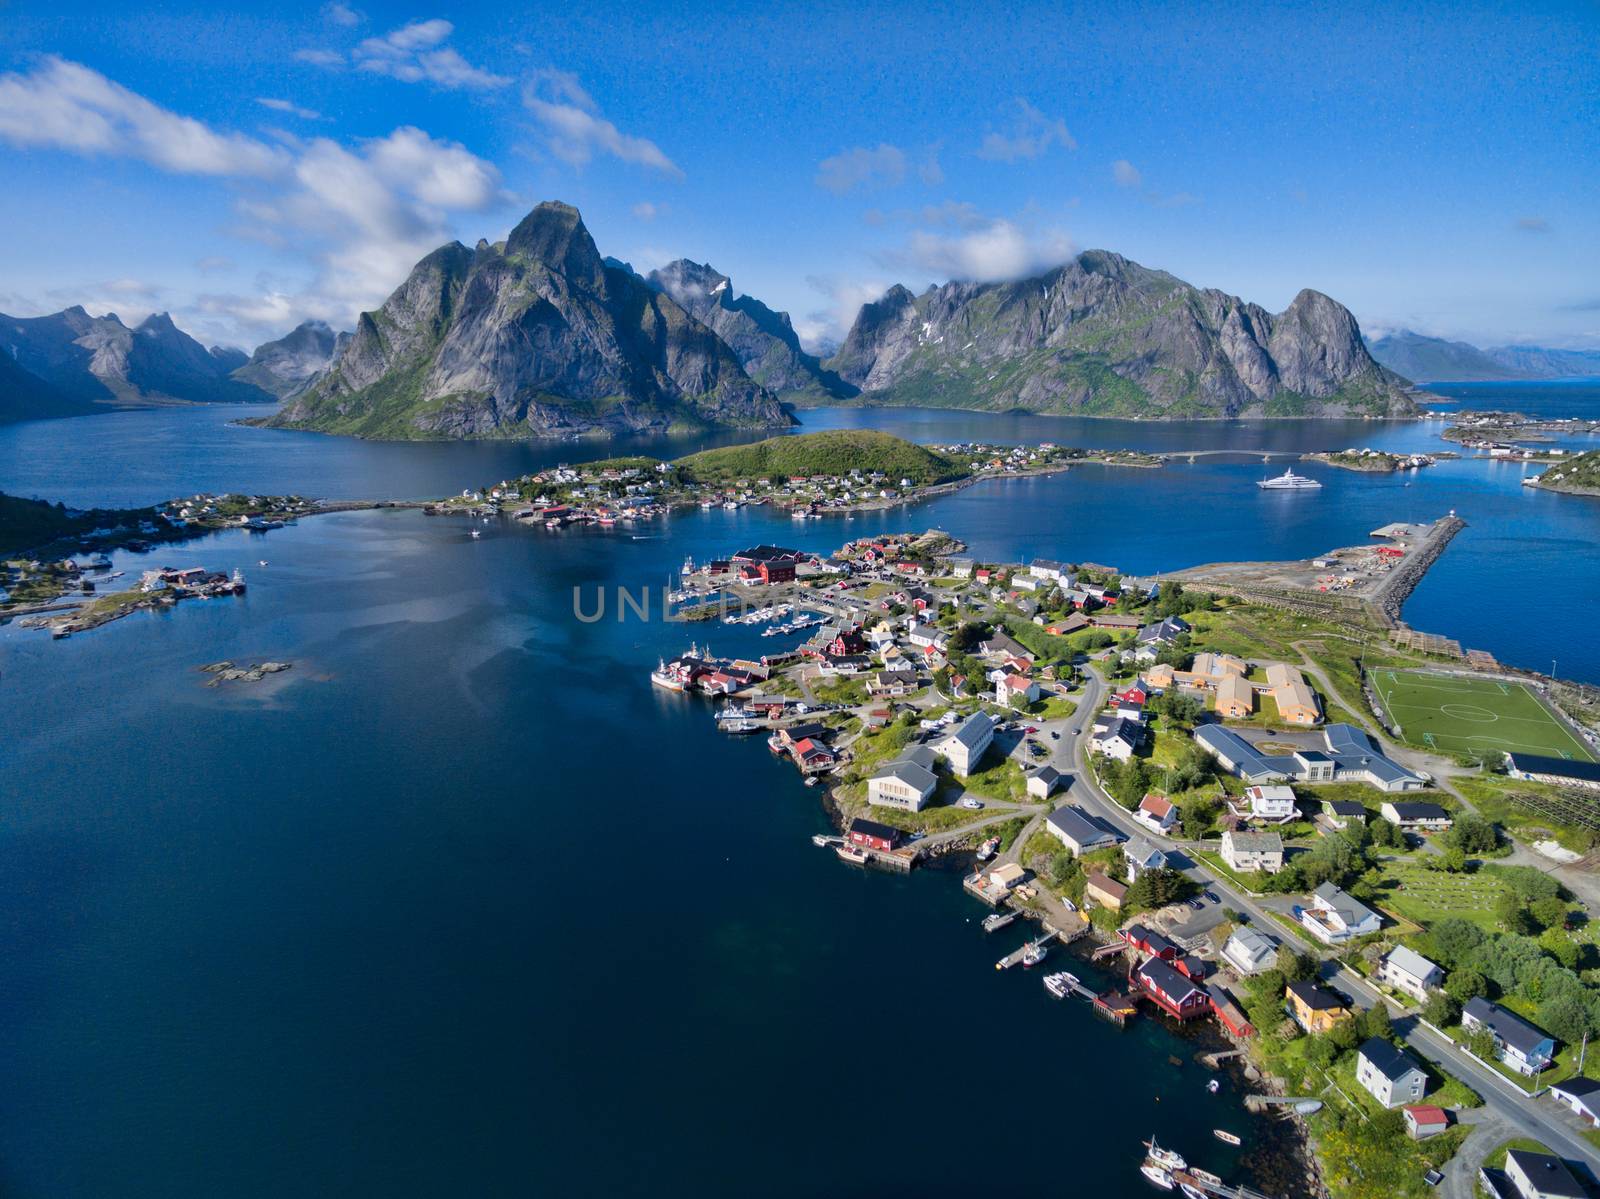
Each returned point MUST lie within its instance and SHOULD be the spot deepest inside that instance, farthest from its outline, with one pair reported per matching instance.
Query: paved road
(1538, 1119)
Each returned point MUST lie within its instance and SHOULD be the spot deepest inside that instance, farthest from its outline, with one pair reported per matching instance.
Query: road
(1538, 1119)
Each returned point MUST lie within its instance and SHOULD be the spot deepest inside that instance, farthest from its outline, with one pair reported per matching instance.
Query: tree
(1384, 835)
(1567, 1017)
(1320, 1051)
(1455, 940)
(1196, 817)
(1548, 912)
(1481, 1042)
(1374, 1021)
(1158, 888)
(1441, 1010)
(1345, 1034)
(1561, 947)
(1062, 867)
(1509, 911)
(1296, 966)
(1472, 834)
(1454, 859)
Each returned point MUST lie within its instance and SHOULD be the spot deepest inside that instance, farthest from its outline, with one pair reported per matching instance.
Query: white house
(1142, 856)
(1157, 813)
(1041, 783)
(1253, 851)
(1406, 970)
(1333, 917)
(1271, 804)
(1116, 738)
(1249, 951)
(1582, 1095)
(1390, 1075)
(1540, 1176)
(967, 743)
(1076, 831)
(907, 783)
(1016, 691)
(1424, 817)
(1522, 1046)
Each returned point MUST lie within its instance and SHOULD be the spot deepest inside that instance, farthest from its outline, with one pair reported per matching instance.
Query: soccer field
(1464, 715)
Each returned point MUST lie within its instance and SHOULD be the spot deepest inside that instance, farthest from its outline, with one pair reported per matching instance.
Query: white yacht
(1288, 481)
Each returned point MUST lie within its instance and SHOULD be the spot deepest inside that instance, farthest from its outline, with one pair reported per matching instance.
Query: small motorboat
(1226, 1137)
(474, 533)
(853, 854)
(1192, 1191)
(1060, 984)
(1165, 1157)
(1213, 1086)
(1158, 1174)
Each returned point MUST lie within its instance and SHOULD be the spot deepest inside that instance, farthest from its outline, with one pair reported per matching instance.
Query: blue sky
(1435, 168)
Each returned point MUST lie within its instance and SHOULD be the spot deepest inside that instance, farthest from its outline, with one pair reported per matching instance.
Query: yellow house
(1236, 698)
(1297, 703)
(1314, 1008)
(1106, 892)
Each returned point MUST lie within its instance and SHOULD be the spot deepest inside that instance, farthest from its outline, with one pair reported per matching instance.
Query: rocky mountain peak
(685, 280)
(554, 234)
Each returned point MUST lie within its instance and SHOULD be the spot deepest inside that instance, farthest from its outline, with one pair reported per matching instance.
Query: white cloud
(575, 130)
(416, 53)
(1030, 135)
(644, 210)
(67, 106)
(827, 326)
(288, 106)
(879, 166)
(360, 215)
(1126, 174)
(341, 14)
(320, 58)
(981, 249)
(214, 263)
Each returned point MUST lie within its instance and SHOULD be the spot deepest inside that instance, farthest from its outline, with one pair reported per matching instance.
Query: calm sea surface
(462, 905)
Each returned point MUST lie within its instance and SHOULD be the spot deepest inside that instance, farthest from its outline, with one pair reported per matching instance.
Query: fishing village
(1200, 792)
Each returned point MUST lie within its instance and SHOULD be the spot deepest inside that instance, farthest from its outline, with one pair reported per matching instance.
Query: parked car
(972, 804)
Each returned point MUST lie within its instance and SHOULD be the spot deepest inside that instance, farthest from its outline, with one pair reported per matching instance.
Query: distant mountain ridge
(1437, 360)
(90, 362)
(536, 336)
(763, 339)
(1104, 336)
(285, 366)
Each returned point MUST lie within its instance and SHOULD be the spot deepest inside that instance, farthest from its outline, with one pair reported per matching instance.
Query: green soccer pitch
(1459, 714)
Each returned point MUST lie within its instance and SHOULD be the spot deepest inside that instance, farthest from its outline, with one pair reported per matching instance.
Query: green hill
(1579, 475)
(836, 452)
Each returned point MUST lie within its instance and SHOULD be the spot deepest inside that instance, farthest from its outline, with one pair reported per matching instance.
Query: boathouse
(1175, 994)
(869, 834)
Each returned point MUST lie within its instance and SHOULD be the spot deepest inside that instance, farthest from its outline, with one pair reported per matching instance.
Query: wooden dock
(1107, 951)
(1015, 956)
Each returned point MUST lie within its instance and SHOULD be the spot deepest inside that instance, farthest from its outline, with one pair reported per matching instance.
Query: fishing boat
(852, 853)
(1158, 1175)
(1036, 952)
(1288, 481)
(1226, 1137)
(687, 568)
(1165, 1157)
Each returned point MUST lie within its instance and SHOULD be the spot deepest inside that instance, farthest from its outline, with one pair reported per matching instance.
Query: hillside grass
(835, 452)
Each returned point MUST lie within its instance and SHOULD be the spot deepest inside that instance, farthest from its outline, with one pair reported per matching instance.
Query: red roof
(1158, 806)
(1426, 1113)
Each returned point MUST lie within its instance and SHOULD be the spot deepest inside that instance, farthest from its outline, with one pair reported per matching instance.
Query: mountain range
(540, 336)
(534, 336)
(69, 363)
(1435, 360)
(1104, 336)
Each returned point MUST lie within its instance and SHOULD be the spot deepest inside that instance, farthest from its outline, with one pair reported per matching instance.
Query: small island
(1577, 475)
(1373, 461)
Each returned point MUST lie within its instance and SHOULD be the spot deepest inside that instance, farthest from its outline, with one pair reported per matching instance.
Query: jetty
(996, 921)
(1016, 955)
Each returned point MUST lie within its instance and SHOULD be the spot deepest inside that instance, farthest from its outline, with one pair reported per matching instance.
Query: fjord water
(460, 904)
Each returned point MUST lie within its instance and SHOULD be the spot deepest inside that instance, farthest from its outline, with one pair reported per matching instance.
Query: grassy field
(1463, 715)
(1424, 896)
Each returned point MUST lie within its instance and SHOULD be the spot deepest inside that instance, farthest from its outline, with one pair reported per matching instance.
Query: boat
(1036, 952)
(688, 567)
(1158, 1175)
(852, 853)
(474, 533)
(743, 724)
(1190, 1190)
(1226, 1137)
(1213, 1086)
(1165, 1157)
(1288, 481)
(1306, 1106)
(823, 840)
(1205, 1177)
(987, 849)
(1060, 984)
(995, 921)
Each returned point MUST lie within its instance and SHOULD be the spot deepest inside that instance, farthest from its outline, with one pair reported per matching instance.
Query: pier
(1015, 956)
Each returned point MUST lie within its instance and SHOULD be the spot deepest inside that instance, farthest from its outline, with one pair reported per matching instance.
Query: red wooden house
(1176, 995)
